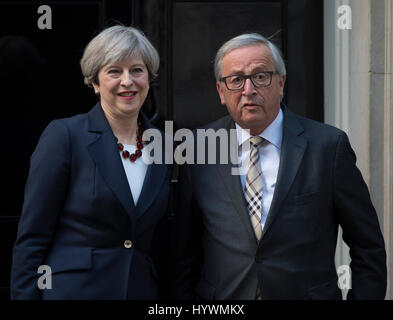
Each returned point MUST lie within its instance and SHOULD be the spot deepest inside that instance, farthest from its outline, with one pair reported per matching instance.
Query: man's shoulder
(313, 127)
(225, 122)
(310, 126)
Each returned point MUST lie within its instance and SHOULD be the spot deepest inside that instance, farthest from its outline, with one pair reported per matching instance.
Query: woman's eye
(113, 71)
(137, 70)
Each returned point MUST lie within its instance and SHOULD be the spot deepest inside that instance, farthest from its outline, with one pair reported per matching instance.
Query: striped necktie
(253, 187)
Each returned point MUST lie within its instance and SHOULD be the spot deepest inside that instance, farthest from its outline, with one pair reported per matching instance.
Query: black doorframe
(302, 46)
(301, 43)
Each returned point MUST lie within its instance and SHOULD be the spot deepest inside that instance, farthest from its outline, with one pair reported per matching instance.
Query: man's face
(251, 108)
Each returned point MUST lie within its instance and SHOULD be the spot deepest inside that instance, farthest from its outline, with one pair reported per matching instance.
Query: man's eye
(260, 76)
(236, 80)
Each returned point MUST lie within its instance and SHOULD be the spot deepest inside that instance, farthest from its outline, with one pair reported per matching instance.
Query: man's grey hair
(114, 44)
(245, 40)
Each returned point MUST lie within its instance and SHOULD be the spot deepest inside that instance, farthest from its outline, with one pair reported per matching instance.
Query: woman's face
(123, 87)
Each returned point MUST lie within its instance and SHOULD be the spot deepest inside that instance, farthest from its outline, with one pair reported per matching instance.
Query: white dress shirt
(269, 157)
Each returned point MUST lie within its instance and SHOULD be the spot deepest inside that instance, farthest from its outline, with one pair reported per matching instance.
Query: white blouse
(135, 172)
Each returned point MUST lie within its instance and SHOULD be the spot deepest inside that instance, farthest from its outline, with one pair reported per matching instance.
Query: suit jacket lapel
(105, 154)
(233, 184)
(154, 178)
(292, 151)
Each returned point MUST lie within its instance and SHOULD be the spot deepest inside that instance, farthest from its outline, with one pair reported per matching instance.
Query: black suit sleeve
(186, 241)
(361, 230)
(45, 193)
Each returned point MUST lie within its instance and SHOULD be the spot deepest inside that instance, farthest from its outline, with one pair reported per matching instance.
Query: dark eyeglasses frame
(249, 76)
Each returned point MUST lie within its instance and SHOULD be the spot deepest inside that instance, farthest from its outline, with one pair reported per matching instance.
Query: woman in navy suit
(93, 204)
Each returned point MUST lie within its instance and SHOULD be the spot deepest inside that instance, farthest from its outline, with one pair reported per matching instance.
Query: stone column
(358, 99)
(381, 122)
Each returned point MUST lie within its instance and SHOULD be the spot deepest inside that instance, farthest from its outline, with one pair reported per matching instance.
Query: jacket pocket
(325, 291)
(70, 259)
(205, 290)
(305, 198)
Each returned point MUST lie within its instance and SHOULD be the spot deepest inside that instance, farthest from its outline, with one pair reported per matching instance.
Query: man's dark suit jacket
(318, 188)
(79, 217)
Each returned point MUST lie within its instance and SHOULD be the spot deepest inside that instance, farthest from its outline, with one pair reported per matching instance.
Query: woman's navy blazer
(79, 218)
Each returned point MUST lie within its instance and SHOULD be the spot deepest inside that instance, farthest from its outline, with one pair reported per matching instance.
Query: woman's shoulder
(62, 130)
(70, 123)
(74, 120)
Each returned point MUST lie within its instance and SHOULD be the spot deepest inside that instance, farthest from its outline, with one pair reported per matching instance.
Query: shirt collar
(273, 133)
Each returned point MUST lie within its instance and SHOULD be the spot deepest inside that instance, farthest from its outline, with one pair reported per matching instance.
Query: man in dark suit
(271, 231)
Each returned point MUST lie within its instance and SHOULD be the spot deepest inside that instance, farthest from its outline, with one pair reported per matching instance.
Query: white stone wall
(358, 99)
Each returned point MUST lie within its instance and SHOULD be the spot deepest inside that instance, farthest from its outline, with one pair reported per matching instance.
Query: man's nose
(248, 88)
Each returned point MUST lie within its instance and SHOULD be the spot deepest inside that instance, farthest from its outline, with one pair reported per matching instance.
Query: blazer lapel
(233, 184)
(155, 176)
(292, 151)
(105, 154)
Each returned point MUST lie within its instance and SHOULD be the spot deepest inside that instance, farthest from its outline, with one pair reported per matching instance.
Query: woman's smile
(127, 95)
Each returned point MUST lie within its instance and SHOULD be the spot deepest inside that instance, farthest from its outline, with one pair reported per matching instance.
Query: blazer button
(128, 244)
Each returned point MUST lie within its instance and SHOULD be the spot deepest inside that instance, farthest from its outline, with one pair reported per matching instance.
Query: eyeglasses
(259, 80)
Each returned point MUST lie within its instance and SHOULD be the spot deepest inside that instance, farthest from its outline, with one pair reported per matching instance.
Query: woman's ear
(96, 88)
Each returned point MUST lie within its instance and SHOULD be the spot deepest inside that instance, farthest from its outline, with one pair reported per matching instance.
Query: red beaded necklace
(139, 146)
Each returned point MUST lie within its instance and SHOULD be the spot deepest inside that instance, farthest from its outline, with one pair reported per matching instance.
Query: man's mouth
(250, 105)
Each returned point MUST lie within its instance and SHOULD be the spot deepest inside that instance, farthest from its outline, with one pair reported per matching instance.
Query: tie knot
(256, 141)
